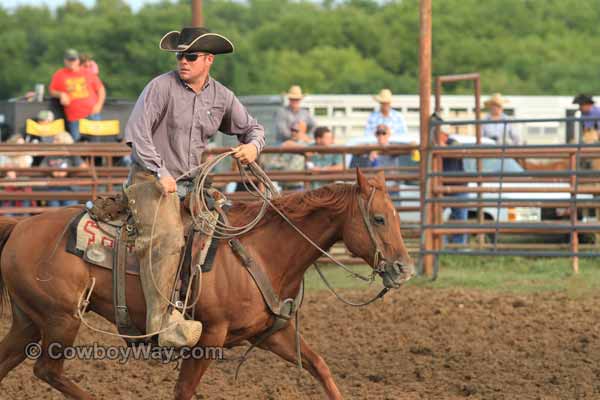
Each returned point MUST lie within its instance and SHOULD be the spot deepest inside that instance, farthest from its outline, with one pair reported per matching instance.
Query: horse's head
(372, 232)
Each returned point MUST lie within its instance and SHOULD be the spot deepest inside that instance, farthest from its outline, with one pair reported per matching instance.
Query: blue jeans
(73, 127)
(62, 203)
(459, 214)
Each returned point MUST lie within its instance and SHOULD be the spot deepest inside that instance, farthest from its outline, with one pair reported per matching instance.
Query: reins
(200, 210)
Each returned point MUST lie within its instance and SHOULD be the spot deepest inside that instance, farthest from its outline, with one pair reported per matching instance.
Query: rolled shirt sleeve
(148, 109)
(237, 121)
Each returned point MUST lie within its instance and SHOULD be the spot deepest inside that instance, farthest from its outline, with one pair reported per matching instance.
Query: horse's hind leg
(60, 332)
(283, 343)
(12, 348)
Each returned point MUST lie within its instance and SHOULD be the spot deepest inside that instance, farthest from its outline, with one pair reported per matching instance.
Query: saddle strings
(200, 213)
(199, 209)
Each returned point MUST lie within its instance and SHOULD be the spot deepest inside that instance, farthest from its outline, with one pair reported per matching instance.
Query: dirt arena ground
(417, 344)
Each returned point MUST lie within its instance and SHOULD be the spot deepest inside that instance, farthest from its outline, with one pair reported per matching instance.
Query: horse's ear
(363, 184)
(381, 177)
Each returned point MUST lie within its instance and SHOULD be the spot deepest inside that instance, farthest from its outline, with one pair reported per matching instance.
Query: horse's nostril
(398, 266)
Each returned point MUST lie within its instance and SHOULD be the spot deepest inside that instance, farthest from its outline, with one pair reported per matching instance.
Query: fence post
(425, 103)
(573, 161)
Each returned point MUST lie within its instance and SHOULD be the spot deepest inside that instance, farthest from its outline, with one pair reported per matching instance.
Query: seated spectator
(24, 161)
(291, 161)
(62, 162)
(375, 158)
(386, 115)
(324, 162)
(287, 117)
(383, 134)
(16, 161)
(502, 132)
(453, 165)
(44, 117)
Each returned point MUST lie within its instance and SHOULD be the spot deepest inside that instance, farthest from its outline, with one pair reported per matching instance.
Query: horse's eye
(379, 219)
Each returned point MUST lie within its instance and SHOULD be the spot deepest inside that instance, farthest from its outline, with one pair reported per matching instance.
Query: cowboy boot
(158, 282)
(159, 250)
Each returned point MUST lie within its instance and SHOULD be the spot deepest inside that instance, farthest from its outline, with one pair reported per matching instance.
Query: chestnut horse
(45, 283)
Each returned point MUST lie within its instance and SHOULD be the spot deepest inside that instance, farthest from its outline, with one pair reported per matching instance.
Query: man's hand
(246, 153)
(168, 184)
(65, 100)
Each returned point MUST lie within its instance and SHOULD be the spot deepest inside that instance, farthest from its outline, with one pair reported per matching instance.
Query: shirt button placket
(192, 126)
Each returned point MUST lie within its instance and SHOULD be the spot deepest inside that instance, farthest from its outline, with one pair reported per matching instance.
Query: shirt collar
(208, 83)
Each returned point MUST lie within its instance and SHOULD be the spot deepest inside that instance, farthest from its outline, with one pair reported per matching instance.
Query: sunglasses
(191, 57)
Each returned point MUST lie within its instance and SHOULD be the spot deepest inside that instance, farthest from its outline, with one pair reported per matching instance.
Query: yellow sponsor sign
(99, 128)
(415, 155)
(48, 129)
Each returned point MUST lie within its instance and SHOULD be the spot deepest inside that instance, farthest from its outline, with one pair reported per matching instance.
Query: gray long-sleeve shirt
(170, 124)
(285, 118)
(499, 131)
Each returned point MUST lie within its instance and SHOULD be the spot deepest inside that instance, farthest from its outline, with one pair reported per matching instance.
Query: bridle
(378, 257)
(379, 260)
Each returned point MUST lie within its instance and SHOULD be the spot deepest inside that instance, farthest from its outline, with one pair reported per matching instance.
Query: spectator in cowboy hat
(588, 110)
(386, 115)
(501, 132)
(294, 115)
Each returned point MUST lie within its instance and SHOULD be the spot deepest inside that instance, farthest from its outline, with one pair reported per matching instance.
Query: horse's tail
(6, 226)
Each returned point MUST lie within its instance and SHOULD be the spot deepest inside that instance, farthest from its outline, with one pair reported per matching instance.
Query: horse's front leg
(193, 368)
(283, 343)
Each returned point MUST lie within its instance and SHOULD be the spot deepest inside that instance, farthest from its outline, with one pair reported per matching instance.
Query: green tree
(351, 46)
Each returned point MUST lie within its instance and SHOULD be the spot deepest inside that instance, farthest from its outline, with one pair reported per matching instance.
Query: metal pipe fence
(484, 192)
(105, 179)
(504, 194)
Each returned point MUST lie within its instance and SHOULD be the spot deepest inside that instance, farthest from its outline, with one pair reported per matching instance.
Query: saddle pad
(94, 241)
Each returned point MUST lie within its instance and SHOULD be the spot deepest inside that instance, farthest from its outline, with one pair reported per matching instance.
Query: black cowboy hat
(191, 40)
(583, 99)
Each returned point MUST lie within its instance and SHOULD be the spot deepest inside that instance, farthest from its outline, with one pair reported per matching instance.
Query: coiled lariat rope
(200, 219)
(199, 208)
(202, 216)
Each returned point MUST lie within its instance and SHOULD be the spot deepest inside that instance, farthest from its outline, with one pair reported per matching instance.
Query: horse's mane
(334, 197)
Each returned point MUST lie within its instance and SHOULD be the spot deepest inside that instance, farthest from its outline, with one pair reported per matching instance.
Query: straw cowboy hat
(295, 93)
(497, 100)
(192, 40)
(385, 96)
